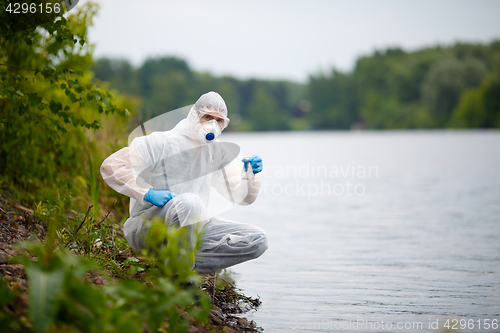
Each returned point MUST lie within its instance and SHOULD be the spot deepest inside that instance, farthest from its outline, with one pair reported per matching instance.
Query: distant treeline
(440, 87)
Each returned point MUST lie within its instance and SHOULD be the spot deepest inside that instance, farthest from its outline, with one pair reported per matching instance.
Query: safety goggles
(221, 120)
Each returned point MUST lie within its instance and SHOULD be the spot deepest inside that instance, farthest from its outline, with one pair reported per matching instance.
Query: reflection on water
(414, 241)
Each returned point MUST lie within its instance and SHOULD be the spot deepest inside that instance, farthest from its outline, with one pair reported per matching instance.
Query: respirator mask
(207, 131)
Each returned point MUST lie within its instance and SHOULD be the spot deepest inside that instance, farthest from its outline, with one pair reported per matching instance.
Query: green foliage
(119, 73)
(45, 289)
(446, 81)
(480, 107)
(389, 113)
(6, 295)
(95, 188)
(62, 299)
(47, 99)
(59, 296)
(398, 89)
(388, 89)
(8, 320)
(470, 112)
(262, 110)
(174, 281)
(333, 101)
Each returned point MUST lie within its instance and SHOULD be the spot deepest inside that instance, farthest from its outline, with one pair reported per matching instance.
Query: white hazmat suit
(183, 161)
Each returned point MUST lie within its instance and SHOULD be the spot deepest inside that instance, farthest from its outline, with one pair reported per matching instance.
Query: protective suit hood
(210, 103)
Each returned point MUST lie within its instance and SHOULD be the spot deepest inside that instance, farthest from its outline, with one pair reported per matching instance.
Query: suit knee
(261, 246)
(186, 209)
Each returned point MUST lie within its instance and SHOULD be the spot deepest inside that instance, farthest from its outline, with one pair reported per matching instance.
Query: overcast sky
(283, 39)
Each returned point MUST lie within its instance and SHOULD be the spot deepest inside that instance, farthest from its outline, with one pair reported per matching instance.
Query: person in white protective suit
(170, 174)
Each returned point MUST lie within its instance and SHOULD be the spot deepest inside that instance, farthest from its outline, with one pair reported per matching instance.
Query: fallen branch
(81, 224)
(23, 208)
(105, 217)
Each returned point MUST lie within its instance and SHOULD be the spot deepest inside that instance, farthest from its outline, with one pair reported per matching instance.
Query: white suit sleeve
(121, 172)
(229, 184)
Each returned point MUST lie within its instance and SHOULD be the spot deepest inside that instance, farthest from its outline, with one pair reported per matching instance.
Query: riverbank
(17, 224)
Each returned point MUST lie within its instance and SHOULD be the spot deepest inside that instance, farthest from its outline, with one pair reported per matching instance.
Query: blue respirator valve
(210, 136)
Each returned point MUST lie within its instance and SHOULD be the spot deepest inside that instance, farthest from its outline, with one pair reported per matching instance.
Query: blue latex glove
(255, 162)
(159, 198)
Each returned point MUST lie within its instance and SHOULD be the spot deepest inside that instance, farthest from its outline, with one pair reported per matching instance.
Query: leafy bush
(62, 299)
(49, 107)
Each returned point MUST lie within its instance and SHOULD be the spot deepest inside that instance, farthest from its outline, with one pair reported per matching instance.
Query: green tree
(391, 88)
(168, 92)
(119, 73)
(480, 107)
(389, 113)
(159, 66)
(445, 83)
(332, 99)
(47, 100)
(262, 111)
(227, 87)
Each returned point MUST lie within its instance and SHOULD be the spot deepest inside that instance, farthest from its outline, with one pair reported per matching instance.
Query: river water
(375, 231)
